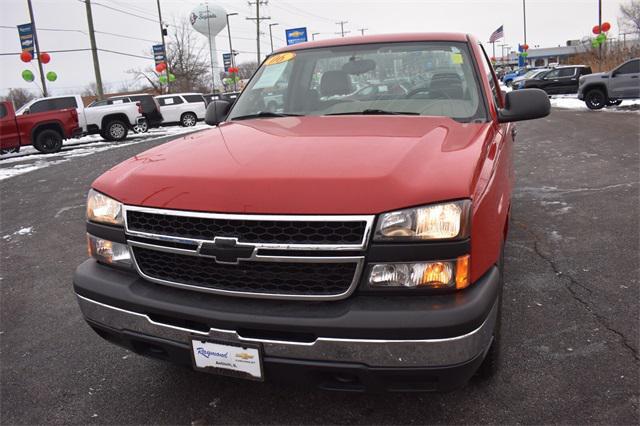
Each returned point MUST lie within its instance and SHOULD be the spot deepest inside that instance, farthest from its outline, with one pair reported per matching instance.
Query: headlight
(435, 222)
(434, 274)
(103, 209)
(108, 252)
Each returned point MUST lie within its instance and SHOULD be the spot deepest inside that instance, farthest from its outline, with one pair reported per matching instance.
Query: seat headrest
(335, 83)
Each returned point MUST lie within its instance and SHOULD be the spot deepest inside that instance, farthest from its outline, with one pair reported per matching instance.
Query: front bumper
(371, 338)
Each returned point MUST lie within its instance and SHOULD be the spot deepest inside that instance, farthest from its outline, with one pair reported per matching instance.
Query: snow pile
(572, 102)
(21, 231)
(29, 159)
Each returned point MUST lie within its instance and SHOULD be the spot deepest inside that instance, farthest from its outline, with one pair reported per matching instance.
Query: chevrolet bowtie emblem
(244, 355)
(226, 250)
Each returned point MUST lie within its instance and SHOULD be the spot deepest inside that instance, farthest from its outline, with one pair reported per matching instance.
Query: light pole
(524, 18)
(164, 47)
(313, 36)
(271, 34)
(233, 57)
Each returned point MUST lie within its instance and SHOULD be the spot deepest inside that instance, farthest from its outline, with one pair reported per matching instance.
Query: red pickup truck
(352, 243)
(44, 130)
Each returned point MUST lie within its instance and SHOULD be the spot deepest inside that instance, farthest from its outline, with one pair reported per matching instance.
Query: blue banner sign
(296, 35)
(158, 53)
(25, 32)
(226, 60)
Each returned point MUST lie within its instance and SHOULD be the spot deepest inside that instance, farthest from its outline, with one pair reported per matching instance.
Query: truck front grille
(272, 278)
(248, 231)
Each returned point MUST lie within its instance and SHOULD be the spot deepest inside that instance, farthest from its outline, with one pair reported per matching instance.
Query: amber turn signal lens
(463, 272)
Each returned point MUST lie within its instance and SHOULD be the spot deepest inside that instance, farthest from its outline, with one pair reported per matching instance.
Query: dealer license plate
(227, 359)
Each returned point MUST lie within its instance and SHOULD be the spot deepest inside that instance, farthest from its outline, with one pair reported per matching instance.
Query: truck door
(54, 104)
(625, 81)
(9, 136)
(561, 80)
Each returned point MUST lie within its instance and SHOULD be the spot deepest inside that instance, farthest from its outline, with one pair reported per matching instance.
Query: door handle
(555, 81)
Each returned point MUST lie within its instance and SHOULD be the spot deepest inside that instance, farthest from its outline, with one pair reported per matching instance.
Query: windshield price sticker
(280, 58)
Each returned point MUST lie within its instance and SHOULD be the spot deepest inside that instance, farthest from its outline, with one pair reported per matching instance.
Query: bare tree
(18, 96)
(92, 89)
(631, 16)
(246, 69)
(187, 60)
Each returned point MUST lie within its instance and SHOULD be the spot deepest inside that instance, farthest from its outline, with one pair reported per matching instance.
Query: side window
(566, 72)
(62, 103)
(632, 67)
(165, 101)
(3, 111)
(486, 66)
(194, 98)
(42, 106)
(553, 74)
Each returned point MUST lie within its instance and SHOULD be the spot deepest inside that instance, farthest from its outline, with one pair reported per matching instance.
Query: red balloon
(525, 46)
(596, 29)
(161, 67)
(45, 58)
(606, 26)
(25, 56)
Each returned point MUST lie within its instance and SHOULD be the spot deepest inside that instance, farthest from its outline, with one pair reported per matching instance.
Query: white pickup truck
(112, 122)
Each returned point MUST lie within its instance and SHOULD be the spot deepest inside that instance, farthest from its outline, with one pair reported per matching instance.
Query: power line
(258, 19)
(122, 11)
(342, 31)
(291, 7)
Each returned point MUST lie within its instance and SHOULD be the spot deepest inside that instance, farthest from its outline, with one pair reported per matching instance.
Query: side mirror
(26, 111)
(524, 104)
(217, 112)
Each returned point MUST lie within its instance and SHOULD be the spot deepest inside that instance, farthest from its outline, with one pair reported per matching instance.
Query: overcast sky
(549, 23)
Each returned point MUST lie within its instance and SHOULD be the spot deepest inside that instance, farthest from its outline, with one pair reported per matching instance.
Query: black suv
(150, 109)
(559, 81)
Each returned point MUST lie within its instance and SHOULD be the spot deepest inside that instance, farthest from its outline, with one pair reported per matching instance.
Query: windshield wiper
(374, 112)
(265, 114)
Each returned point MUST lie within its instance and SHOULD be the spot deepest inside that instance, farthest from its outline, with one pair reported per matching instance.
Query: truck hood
(306, 165)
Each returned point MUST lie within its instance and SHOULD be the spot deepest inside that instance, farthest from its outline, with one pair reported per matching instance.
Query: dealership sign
(296, 35)
(25, 32)
(226, 60)
(158, 53)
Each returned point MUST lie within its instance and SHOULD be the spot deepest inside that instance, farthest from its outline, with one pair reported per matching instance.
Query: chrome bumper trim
(372, 352)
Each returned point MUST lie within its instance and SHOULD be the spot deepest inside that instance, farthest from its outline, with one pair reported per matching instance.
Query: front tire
(115, 130)
(48, 141)
(188, 119)
(595, 99)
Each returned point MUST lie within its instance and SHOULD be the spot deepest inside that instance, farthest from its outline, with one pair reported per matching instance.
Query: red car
(353, 244)
(44, 130)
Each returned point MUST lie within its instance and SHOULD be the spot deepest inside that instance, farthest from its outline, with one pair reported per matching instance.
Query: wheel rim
(50, 143)
(141, 128)
(117, 131)
(595, 100)
(189, 120)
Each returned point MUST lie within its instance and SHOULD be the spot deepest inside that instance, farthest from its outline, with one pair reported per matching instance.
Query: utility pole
(313, 36)
(271, 34)
(362, 30)
(233, 56)
(163, 32)
(342, 31)
(524, 17)
(258, 19)
(94, 49)
(37, 51)
(502, 46)
(600, 26)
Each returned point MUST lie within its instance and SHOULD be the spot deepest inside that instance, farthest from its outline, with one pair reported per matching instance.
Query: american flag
(497, 35)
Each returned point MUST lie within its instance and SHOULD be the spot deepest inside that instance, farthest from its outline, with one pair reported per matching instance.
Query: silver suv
(610, 88)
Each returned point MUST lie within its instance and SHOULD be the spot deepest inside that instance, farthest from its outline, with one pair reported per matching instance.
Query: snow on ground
(29, 159)
(21, 231)
(572, 102)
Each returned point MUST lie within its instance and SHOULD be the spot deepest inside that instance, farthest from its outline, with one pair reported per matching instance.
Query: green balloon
(172, 77)
(27, 75)
(52, 76)
(601, 37)
(163, 79)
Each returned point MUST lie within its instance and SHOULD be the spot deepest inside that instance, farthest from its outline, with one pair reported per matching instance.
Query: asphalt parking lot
(570, 325)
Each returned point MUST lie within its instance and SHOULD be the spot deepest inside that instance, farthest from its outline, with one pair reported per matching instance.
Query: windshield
(417, 78)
